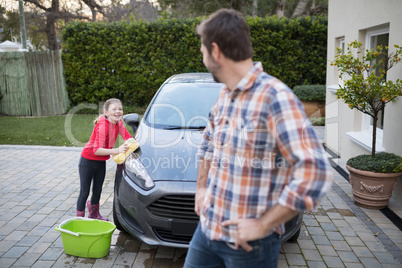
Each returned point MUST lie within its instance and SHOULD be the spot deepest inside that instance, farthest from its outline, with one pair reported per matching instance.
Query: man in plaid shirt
(261, 162)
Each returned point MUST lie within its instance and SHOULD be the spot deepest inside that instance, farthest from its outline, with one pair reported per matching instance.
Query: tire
(115, 219)
(295, 236)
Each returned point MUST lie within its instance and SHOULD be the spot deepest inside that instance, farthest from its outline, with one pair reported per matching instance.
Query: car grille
(169, 237)
(178, 207)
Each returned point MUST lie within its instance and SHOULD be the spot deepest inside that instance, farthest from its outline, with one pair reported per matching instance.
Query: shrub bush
(130, 61)
(310, 92)
(381, 163)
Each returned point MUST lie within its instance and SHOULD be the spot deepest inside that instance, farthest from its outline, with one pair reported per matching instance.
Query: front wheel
(115, 219)
(295, 236)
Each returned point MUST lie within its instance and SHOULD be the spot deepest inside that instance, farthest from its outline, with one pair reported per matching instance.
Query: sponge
(132, 146)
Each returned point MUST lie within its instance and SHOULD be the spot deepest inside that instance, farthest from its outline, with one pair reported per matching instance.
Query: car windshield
(183, 105)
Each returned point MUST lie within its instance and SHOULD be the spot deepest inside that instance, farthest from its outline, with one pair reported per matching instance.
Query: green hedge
(131, 60)
(310, 92)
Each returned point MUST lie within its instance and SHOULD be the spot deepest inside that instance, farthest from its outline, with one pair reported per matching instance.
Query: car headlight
(136, 171)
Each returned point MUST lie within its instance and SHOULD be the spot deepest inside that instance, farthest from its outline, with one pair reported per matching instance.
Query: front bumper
(162, 216)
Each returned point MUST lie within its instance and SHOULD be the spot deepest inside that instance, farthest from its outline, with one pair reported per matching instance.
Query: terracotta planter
(314, 108)
(372, 190)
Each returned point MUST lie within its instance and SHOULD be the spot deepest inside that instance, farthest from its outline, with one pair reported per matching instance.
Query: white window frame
(334, 88)
(366, 124)
(364, 137)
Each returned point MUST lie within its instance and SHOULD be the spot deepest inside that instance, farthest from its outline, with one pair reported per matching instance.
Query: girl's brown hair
(106, 106)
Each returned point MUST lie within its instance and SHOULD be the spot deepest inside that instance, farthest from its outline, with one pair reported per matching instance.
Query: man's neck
(233, 72)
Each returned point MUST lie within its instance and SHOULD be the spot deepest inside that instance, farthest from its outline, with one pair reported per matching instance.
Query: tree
(281, 8)
(57, 10)
(366, 88)
(47, 17)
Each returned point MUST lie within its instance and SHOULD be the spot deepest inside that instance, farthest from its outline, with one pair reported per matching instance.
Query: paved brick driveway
(39, 187)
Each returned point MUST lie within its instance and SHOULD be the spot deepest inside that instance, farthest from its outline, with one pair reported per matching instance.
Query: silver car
(155, 187)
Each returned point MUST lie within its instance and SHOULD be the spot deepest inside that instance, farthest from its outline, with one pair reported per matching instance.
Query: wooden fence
(32, 84)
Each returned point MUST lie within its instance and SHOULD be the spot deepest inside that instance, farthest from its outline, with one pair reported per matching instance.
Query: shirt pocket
(255, 135)
(223, 132)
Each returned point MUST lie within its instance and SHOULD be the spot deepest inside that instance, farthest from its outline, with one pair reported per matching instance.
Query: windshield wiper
(184, 127)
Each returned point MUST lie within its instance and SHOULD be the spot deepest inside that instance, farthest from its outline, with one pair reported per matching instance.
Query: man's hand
(247, 230)
(199, 200)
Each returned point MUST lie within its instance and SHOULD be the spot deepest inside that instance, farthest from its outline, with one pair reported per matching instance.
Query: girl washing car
(92, 164)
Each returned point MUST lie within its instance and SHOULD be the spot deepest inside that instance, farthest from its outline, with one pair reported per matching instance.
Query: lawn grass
(58, 130)
(51, 130)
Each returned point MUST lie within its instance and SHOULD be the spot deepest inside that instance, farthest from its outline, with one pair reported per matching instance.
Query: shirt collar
(248, 80)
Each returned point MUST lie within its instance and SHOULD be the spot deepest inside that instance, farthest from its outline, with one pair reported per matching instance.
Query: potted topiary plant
(373, 177)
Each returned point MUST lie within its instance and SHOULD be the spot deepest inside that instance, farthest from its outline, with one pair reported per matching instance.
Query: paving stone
(27, 260)
(43, 264)
(327, 250)
(16, 235)
(52, 254)
(370, 262)
(315, 231)
(334, 236)
(328, 226)
(6, 262)
(353, 265)
(306, 244)
(321, 219)
(354, 241)
(311, 222)
(125, 258)
(361, 251)
(316, 264)
(340, 245)
(348, 256)
(15, 252)
(375, 246)
(295, 259)
(68, 261)
(366, 236)
(39, 248)
(333, 261)
(291, 248)
(385, 258)
(347, 231)
(282, 263)
(312, 255)
(334, 216)
(28, 240)
(320, 240)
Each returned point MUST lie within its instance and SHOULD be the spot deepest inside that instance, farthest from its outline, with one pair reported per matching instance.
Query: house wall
(351, 20)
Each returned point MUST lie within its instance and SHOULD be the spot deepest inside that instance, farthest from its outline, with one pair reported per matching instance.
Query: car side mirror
(133, 120)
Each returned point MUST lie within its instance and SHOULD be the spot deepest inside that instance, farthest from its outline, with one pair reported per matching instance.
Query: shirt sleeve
(101, 131)
(311, 174)
(123, 131)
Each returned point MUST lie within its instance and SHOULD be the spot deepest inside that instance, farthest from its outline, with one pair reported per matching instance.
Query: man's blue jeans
(209, 253)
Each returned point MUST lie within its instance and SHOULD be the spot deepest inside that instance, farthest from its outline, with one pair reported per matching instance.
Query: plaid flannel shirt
(263, 151)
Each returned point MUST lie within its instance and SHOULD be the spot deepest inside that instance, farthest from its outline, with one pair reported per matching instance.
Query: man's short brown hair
(228, 29)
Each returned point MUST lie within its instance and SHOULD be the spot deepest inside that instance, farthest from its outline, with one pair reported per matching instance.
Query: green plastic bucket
(87, 238)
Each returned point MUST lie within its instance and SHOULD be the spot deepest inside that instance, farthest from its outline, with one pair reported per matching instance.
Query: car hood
(169, 154)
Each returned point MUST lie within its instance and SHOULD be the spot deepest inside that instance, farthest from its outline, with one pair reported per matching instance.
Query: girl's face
(115, 112)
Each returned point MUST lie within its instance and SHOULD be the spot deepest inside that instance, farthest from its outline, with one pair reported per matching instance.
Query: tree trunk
(300, 8)
(375, 117)
(50, 29)
(255, 8)
(280, 8)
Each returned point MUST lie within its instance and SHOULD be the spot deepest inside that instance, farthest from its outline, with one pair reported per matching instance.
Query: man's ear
(216, 52)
